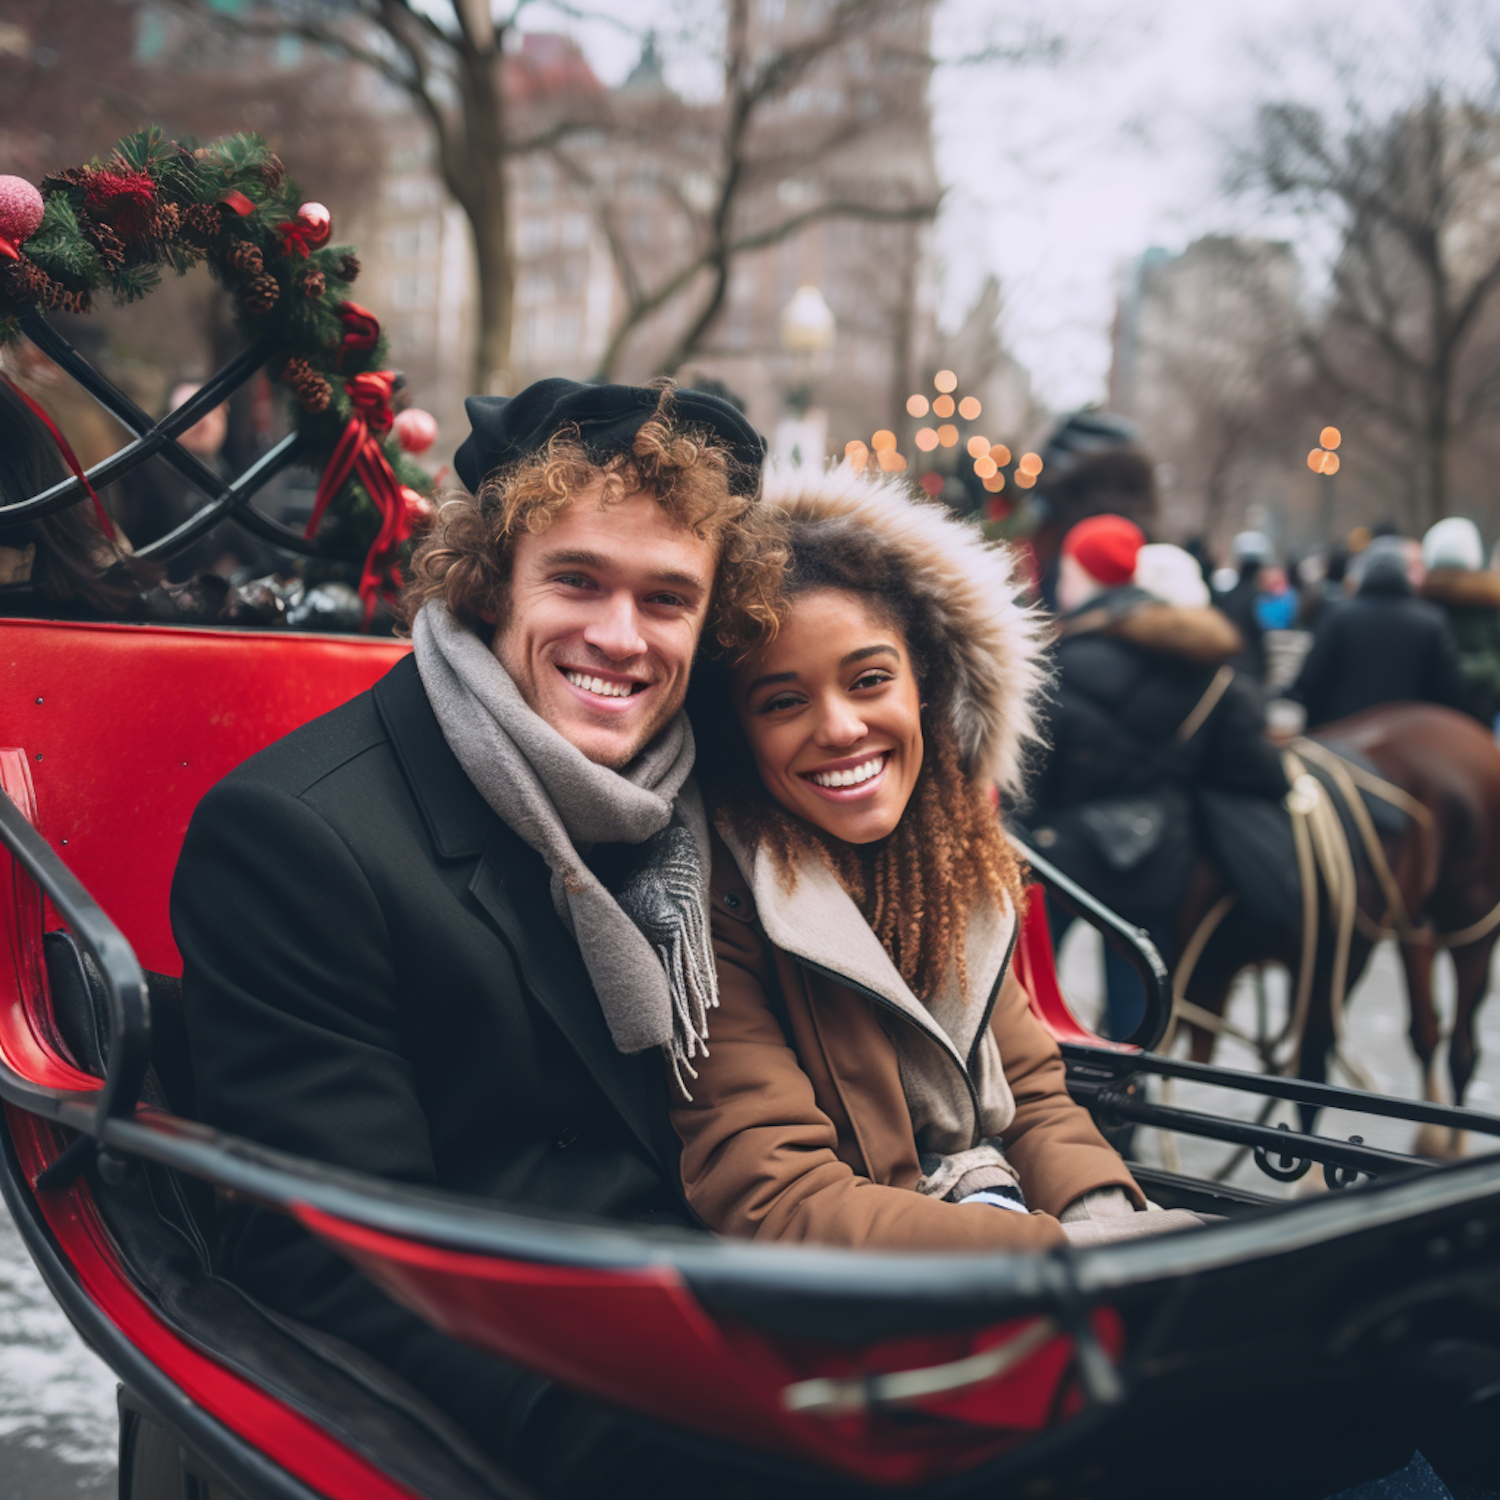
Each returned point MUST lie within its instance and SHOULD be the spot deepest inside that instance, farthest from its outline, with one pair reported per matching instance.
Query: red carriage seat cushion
(125, 727)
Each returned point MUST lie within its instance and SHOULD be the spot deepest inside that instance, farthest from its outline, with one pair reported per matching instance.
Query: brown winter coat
(800, 1130)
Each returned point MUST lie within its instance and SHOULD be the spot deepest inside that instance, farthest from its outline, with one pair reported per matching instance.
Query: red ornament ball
(21, 210)
(416, 430)
(317, 220)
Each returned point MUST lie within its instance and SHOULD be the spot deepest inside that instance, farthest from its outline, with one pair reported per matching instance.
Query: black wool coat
(1131, 671)
(1382, 646)
(374, 977)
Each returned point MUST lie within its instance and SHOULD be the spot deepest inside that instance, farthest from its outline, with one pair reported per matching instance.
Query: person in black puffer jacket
(1382, 646)
(1146, 709)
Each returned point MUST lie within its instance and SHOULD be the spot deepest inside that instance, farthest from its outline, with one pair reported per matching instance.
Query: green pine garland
(154, 205)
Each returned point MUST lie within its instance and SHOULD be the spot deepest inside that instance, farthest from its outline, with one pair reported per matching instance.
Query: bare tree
(449, 60)
(1413, 196)
(808, 128)
(1209, 365)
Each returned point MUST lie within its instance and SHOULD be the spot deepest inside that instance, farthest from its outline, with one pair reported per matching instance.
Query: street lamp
(1323, 460)
(807, 328)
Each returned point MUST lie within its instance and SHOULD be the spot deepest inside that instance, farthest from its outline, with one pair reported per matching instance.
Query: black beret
(504, 429)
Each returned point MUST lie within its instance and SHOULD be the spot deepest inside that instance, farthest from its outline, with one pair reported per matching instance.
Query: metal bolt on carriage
(1292, 1348)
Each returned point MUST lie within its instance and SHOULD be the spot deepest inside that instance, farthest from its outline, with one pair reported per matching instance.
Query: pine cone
(62, 300)
(110, 246)
(25, 281)
(313, 393)
(246, 258)
(262, 293)
(348, 266)
(55, 182)
(272, 172)
(166, 223)
(312, 285)
(201, 223)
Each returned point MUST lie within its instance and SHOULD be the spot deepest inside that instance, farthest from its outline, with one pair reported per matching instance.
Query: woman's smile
(832, 712)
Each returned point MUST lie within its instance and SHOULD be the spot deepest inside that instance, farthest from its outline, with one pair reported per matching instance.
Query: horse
(1440, 888)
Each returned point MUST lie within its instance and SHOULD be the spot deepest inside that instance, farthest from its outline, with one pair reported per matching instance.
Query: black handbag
(1123, 831)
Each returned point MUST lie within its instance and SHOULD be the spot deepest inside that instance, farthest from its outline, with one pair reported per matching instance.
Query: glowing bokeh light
(947, 434)
(1315, 460)
(1025, 478)
(927, 439)
(1030, 463)
(1001, 454)
(883, 440)
(943, 406)
(853, 446)
(891, 461)
(994, 484)
(916, 406)
(977, 447)
(1330, 464)
(969, 408)
(1330, 437)
(858, 458)
(945, 381)
(986, 467)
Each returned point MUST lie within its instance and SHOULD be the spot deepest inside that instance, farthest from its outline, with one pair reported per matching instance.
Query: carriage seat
(124, 728)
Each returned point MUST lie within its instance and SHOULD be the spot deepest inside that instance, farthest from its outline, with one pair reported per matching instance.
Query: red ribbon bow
(358, 451)
(361, 329)
(298, 238)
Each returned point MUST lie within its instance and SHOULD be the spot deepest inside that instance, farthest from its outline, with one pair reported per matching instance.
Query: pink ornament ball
(416, 430)
(21, 210)
(317, 219)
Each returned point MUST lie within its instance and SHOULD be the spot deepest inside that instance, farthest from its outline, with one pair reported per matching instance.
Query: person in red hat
(1145, 711)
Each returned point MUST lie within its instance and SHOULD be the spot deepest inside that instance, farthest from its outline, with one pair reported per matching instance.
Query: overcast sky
(1057, 172)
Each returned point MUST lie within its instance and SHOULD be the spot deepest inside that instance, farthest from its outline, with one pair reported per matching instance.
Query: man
(1146, 711)
(1382, 646)
(409, 940)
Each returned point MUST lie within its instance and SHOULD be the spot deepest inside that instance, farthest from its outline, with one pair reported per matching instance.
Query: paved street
(57, 1401)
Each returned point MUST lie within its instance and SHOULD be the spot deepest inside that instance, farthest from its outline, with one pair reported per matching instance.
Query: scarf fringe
(692, 981)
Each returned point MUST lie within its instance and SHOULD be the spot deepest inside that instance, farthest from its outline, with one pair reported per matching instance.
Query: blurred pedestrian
(1145, 710)
(1382, 646)
(1469, 594)
(1251, 553)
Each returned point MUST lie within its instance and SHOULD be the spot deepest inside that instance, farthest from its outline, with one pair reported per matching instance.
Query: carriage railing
(1132, 943)
(111, 1122)
(224, 500)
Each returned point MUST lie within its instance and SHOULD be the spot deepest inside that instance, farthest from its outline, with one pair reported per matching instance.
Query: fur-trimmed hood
(996, 644)
(1203, 635)
(1461, 588)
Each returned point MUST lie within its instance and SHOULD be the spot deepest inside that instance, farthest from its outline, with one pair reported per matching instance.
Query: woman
(875, 1077)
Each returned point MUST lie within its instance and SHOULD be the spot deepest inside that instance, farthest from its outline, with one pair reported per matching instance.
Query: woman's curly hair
(464, 557)
(918, 887)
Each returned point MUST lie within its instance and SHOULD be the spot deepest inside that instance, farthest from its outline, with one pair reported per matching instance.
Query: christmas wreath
(115, 225)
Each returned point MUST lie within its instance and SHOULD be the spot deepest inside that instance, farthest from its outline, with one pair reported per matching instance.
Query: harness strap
(1206, 704)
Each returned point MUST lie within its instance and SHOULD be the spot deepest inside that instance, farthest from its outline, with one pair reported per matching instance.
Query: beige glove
(1106, 1216)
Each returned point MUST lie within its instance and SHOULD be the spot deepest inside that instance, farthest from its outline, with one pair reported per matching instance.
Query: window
(413, 289)
(534, 236)
(567, 333)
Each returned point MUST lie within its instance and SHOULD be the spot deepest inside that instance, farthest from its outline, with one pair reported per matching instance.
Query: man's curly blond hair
(464, 558)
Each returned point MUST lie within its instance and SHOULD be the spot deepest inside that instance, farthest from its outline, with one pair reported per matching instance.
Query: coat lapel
(511, 883)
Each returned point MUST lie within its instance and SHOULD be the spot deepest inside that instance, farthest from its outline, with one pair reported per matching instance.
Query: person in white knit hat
(1469, 594)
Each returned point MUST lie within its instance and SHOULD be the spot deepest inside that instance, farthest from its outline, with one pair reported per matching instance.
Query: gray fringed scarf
(646, 944)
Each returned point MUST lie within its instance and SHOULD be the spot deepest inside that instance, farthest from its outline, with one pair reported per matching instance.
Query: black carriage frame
(224, 500)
